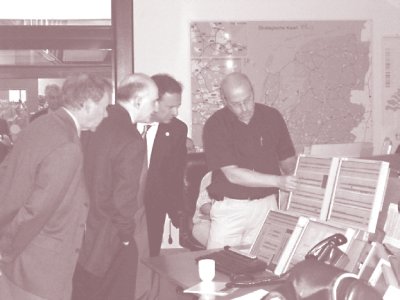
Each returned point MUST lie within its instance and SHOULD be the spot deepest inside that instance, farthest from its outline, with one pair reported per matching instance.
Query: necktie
(144, 131)
(143, 134)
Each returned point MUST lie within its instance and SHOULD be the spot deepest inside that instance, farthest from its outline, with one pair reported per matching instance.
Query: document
(316, 177)
(347, 192)
(359, 193)
(273, 237)
(255, 295)
(210, 288)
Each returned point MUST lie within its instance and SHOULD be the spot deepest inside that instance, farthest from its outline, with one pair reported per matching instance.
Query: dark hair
(80, 87)
(167, 84)
(52, 94)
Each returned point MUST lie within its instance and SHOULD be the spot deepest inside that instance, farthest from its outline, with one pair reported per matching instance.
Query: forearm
(176, 169)
(126, 189)
(288, 165)
(250, 178)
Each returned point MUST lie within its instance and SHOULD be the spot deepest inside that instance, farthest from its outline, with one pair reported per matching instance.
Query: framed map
(391, 86)
(316, 73)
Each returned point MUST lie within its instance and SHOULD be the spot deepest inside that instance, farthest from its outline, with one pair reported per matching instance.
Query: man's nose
(174, 111)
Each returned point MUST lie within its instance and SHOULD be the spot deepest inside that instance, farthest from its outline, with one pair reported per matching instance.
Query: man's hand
(287, 183)
(5, 140)
(176, 218)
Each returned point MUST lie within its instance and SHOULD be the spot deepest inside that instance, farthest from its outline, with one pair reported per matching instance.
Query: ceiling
(54, 44)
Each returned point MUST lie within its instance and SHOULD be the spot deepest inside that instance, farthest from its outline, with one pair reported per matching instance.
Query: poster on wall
(391, 87)
(316, 73)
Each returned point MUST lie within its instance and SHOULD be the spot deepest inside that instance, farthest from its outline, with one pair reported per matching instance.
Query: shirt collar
(140, 126)
(78, 127)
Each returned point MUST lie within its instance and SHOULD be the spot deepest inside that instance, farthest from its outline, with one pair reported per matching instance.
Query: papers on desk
(256, 295)
(210, 288)
(392, 226)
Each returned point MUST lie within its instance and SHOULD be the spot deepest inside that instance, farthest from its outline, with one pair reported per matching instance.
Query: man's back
(113, 154)
(42, 189)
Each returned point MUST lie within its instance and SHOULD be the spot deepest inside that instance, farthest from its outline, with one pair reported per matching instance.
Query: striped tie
(144, 131)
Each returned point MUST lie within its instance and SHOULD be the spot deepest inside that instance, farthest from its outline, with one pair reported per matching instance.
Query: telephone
(327, 250)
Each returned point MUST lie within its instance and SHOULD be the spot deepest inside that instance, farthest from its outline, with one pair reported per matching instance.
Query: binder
(358, 193)
(317, 176)
(346, 192)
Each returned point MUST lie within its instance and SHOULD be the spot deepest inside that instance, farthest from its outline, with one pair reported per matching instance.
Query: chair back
(195, 169)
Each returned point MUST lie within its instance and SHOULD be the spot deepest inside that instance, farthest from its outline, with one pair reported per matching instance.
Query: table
(181, 270)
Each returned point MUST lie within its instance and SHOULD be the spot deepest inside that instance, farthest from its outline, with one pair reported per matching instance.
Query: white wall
(162, 36)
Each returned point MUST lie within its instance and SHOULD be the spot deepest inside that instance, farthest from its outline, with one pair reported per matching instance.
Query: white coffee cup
(206, 269)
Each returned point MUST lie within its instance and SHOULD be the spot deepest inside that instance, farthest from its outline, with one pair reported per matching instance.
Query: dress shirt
(78, 127)
(150, 136)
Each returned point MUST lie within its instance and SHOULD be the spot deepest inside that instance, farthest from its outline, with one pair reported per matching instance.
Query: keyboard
(232, 263)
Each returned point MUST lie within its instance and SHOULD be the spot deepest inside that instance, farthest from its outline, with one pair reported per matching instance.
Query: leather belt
(249, 198)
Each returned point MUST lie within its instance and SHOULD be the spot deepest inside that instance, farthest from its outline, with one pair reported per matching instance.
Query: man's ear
(88, 105)
(136, 102)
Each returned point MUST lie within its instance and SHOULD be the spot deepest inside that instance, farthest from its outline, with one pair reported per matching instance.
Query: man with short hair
(44, 201)
(247, 147)
(114, 170)
(52, 101)
(166, 149)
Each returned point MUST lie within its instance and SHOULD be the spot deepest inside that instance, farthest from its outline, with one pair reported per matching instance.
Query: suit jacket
(44, 205)
(114, 157)
(164, 184)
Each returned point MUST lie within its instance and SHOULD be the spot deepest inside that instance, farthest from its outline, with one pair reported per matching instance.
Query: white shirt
(150, 137)
(78, 127)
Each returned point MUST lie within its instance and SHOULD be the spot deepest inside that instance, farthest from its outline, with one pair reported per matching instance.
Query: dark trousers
(155, 227)
(117, 284)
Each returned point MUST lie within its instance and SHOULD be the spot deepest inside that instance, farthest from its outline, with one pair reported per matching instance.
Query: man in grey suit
(114, 171)
(44, 201)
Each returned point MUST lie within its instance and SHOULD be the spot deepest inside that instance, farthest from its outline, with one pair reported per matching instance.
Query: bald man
(114, 158)
(250, 152)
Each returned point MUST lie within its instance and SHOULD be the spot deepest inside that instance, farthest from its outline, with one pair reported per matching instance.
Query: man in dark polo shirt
(248, 148)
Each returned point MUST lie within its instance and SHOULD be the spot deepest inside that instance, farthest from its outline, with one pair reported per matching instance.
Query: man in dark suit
(44, 201)
(114, 163)
(167, 158)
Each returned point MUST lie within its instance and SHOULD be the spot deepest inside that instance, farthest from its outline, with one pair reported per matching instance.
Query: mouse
(243, 277)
